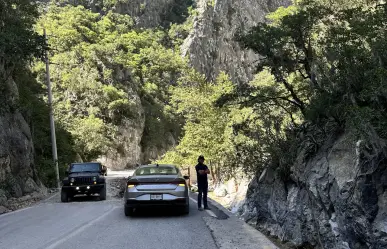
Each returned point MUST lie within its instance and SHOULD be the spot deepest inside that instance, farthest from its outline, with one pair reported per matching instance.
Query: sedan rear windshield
(156, 171)
(85, 167)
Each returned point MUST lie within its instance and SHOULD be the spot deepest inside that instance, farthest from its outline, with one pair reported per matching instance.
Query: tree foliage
(18, 41)
(210, 130)
(19, 45)
(328, 71)
(105, 73)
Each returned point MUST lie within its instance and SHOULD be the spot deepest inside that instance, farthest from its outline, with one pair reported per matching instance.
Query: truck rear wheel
(102, 194)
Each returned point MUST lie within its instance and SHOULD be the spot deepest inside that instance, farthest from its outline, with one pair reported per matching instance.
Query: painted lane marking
(208, 211)
(80, 229)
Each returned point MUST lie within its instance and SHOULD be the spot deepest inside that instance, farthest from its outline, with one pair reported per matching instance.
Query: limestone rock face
(150, 13)
(17, 171)
(337, 199)
(211, 47)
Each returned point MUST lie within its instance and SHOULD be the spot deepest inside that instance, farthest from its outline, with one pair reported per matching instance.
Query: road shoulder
(233, 233)
(229, 232)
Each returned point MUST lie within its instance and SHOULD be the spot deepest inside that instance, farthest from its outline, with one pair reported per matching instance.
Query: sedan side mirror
(186, 177)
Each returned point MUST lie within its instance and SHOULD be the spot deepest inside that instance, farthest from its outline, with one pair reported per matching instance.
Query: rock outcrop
(336, 199)
(18, 175)
(150, 13)
(145, 13)
(211, 47)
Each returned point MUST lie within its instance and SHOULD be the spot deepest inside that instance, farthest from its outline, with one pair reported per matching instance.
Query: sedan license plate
(156, 197)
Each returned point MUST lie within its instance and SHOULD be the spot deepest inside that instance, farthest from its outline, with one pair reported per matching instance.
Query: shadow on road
(85, 198)
(163, 212)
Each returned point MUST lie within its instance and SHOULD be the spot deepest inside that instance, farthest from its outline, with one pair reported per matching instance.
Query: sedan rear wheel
(185, 209)
(129, 211)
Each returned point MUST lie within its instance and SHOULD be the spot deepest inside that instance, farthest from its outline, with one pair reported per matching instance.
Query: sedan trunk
(157, 182)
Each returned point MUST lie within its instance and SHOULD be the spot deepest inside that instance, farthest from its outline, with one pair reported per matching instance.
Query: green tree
(19, 44)
(104, 68)
(327, 72)
(210, 130)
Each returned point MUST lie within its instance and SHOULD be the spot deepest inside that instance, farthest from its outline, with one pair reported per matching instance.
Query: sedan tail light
(132, 184)
(178, 182)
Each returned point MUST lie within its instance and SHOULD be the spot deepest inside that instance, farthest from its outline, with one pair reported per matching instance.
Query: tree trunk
(212, 173)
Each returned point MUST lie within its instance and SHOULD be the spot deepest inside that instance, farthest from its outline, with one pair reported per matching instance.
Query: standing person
(202, 172)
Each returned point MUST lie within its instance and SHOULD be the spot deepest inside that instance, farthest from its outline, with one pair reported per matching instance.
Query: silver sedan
(156, 185)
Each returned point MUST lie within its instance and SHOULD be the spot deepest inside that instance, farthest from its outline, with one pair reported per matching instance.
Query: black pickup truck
(84, 178)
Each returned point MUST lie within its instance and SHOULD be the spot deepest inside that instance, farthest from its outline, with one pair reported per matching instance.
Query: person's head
(201, 159)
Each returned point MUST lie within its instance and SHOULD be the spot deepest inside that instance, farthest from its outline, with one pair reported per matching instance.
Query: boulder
(231, 186)
(29, 186)
(3, 210)
(220, 191)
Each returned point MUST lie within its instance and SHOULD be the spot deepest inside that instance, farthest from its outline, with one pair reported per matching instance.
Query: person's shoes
(200, 209)
(207, 208)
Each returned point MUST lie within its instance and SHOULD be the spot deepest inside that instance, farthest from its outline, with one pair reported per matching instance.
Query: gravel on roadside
(116, 187)
(14, 204)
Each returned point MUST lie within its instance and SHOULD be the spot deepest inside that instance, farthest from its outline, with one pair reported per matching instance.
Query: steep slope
(150, 14)
(334, 200)
(18, 175)
(18, 44)
(211, 47)
(145, 13)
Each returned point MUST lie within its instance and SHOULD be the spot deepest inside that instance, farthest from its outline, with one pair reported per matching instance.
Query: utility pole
(52, 121)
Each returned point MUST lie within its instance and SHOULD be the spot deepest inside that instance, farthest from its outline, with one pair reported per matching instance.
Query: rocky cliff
(211, 47)
(18, 174)
(335, 199)
(145, 13)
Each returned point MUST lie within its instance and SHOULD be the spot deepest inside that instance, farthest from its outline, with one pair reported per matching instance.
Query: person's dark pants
(203, 190)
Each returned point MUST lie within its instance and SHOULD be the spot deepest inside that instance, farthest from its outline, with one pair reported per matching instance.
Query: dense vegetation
(103, 72)
(20, 44)
(323, 71)
(327, 64)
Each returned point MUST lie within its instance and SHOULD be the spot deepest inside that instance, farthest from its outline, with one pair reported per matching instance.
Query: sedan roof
(155, 165)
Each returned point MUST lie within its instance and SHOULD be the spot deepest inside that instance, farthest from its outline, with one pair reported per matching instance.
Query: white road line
(192, 199)
(79, 230)
(208, 211)
(51, 197)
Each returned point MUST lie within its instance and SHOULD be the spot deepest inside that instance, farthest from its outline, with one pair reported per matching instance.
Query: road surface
(87, 223)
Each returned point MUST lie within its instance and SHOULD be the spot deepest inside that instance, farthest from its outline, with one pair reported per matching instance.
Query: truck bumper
(83, 189)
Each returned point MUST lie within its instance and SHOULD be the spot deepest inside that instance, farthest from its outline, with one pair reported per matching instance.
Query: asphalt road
(90, 223)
